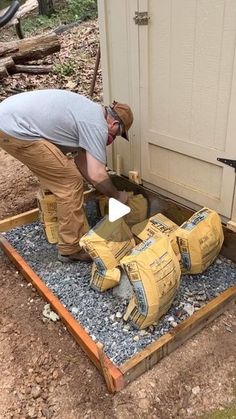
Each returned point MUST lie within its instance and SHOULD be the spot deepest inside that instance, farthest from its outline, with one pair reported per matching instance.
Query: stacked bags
(197, 241)
(108, 242)
(154, 265)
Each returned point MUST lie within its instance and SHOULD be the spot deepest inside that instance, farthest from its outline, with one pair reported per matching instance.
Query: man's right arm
(95, 172)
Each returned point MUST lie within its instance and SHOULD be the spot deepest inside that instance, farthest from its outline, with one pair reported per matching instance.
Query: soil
(43, 373)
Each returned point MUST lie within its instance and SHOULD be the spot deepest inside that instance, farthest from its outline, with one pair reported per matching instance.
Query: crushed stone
(97, 312)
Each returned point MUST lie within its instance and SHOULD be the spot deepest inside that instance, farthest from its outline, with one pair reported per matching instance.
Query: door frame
(134, 96)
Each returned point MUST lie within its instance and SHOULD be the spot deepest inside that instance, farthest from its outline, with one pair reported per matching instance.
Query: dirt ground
(43, 373)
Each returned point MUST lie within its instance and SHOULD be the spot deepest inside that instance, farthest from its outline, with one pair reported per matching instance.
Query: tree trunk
(46, 7)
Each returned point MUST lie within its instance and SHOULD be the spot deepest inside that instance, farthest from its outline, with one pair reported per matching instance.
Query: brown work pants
(59, 174)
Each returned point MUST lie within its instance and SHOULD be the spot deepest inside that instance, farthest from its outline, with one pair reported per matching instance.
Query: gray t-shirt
(62, 117)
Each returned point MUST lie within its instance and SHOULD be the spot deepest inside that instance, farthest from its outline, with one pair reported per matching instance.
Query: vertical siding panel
(209, 25)
(179, 76)
(181, 69)
(118, 40)
(159, 70)
(226, 69)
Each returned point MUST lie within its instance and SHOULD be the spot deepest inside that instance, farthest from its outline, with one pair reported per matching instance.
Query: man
(62, 137)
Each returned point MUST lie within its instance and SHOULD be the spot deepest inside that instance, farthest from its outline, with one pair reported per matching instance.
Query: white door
(188, 99)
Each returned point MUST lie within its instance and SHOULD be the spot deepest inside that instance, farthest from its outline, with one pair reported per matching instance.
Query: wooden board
(77, 331)
(116, 378)
(153, 353)
(27, 217)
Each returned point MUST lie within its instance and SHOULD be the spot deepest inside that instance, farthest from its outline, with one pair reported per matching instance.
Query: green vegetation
(64, 69)
(72, 11)
(227, 413)
(34, 23)
(83, 9)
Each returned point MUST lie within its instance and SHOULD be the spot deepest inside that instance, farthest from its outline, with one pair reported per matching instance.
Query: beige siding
(120, 64)
(186, 72)
(179, 75)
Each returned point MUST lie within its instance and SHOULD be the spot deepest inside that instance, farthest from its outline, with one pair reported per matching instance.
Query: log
(6, 48)
(3, 72)
(6, 62)
(30, 49)
(14, 91)
(31, 69)
(14, 54)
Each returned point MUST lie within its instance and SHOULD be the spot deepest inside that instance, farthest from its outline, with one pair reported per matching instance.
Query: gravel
(101, 314)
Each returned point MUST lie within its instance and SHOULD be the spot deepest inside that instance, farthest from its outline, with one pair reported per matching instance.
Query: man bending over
(62, 137)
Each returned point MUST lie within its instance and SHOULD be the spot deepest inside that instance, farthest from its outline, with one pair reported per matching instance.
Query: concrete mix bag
(103, 203)
(104, 280)
(139, 209)
(107, 243)
(154, 272)
(200, 240)
(155, 225)
(47, 206)
(137, 203)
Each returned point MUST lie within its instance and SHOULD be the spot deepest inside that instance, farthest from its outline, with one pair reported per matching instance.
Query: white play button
(116, 209)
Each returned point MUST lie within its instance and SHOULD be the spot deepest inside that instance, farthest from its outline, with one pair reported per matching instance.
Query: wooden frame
(118, 377)
(112, 374)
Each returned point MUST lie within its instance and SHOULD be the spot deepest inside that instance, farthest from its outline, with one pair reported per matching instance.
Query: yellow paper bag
(105, 280)
(155, 225)
(139, 209)
(154, 272)
(200, 240)
(108, 242)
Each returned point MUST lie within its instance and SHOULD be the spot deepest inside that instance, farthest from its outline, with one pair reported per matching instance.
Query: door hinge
(141, 18)
(231, 163)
